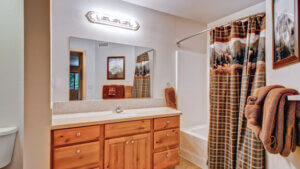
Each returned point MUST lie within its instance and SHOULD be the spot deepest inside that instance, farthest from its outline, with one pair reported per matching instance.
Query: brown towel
(170, 97)
(254, 107)
(128, 91)
(275, 126)
(278, 125)
(298, 123)
(290, 138)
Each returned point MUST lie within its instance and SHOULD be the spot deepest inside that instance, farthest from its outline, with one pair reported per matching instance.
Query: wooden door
(141, 152)
(117, 153)
(77, 75)
(128, 152)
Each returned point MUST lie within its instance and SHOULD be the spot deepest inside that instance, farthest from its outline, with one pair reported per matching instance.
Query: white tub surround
(194, 145)
(60, 121)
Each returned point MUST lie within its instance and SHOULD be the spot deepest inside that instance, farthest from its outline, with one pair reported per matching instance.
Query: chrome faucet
(118, 109)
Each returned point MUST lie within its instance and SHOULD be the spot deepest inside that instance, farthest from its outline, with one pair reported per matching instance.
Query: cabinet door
(141, 152)
(116, 153)
(128, 152)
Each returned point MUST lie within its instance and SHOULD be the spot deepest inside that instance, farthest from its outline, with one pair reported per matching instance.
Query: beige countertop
(62, 121)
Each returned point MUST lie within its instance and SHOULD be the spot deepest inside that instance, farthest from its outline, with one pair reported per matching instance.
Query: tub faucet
(118, 109)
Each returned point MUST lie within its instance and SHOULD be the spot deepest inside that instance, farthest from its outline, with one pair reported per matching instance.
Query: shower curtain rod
(149, 51)
(208, 29)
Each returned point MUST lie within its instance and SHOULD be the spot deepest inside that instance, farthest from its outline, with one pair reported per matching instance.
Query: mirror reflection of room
(105, 70)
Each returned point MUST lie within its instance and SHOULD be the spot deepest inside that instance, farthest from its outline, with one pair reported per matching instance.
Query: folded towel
(278, 125)
(289, 129)
(272, 118)
(170, 97)
(254, 107)
(128, 91)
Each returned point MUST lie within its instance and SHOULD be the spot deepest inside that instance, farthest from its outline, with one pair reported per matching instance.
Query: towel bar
(294, 98)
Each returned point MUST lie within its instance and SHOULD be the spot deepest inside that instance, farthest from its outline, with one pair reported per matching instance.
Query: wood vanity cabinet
(141, 144)
(131, 152)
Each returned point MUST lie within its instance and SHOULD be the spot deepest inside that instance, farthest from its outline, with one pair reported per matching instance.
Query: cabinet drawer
(166, 139)
(166, 159)
(126, 128)
(166, 123)
(76, 135)
(77, 156)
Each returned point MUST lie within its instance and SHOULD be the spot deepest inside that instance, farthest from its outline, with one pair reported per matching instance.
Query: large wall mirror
(105, 70)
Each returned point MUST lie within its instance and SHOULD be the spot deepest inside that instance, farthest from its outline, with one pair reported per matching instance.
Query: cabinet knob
(127, 142)
(168, 135)
(132, 142)
(167, 155)
(78, 134)
(168, 122)
(78, 151)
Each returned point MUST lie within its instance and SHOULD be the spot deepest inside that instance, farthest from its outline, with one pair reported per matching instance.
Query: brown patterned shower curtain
(237, 68)
(141, 84)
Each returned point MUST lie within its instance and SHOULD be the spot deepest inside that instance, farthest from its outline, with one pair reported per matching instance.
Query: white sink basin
(77, 119)
(112, 114)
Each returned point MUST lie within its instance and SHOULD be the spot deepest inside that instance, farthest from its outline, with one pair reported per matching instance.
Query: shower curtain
(237, 68)
(141, 84)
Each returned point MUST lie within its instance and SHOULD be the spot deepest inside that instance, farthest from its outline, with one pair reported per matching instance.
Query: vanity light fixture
(104, 19)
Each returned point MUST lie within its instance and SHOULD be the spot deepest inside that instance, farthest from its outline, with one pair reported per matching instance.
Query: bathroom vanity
(97, 76)
(135, 139)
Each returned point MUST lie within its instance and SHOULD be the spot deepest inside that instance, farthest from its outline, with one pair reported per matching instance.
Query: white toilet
(7, 142)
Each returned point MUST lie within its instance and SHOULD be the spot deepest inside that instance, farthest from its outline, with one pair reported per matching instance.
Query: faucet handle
(118, 106)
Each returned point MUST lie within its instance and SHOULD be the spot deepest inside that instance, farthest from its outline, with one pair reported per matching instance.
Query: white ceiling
(204, 11)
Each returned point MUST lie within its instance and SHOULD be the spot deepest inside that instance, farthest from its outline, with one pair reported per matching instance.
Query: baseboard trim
(193, 158)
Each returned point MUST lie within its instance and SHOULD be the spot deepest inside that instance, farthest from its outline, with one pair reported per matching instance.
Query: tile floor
(184, 164)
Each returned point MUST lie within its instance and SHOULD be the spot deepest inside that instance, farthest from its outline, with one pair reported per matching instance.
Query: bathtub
(193, 144)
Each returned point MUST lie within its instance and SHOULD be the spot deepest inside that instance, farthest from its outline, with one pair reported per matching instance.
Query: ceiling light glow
(104, 19)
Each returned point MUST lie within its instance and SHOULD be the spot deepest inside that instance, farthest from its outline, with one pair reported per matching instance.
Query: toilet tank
(7, 143)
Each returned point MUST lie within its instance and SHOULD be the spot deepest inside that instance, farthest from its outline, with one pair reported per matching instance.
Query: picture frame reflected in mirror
(116, 68)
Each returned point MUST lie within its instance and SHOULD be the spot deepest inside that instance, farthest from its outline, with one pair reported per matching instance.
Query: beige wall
(12, 72)
(37, 117)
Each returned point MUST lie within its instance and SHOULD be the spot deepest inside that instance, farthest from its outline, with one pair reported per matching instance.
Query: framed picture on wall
(285, 32)
(116, 68)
